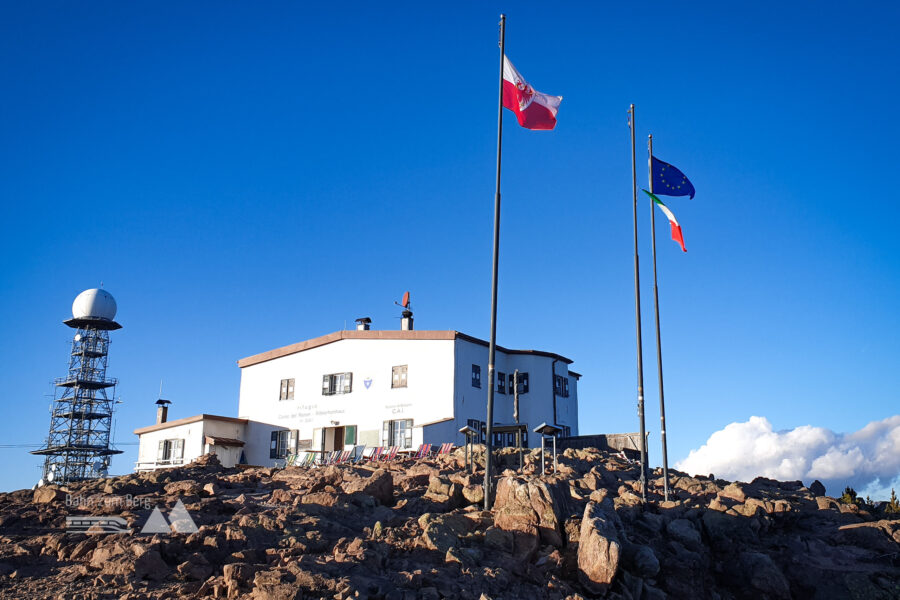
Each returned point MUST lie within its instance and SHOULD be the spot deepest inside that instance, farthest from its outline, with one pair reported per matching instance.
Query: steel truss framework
(77, 446)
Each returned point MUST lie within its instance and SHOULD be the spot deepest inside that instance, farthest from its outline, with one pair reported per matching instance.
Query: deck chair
(376, 453)
(424, 449)
(357, 456)
(328, 457)
(391, 454)
(343, 457)
(446, 448)
(305, 460)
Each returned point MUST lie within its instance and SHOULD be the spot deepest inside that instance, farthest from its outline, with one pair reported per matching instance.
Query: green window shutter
(350, 434)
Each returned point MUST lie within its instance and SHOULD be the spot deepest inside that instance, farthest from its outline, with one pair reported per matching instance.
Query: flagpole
(637, 315)
(492, 347)
(659, 366)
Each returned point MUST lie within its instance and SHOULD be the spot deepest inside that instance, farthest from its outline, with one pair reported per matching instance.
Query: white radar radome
(94, 304)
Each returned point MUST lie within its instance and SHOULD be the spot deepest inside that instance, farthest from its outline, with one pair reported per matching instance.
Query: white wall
(428, 397)
(535, 407)
(227, 455)
(191, 433)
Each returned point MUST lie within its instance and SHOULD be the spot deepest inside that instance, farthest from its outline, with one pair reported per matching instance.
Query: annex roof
(187, 420)
(383, 334)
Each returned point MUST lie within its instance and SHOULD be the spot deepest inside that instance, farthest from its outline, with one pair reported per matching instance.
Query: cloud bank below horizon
(867, 460)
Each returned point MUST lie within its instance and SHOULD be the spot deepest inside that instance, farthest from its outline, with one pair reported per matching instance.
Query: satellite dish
(77, 337)
(50, 476)
(405, 302)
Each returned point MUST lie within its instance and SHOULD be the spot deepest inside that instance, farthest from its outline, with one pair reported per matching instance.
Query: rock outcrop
(414, 529)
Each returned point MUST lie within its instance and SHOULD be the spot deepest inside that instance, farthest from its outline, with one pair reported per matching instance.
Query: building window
(476, 376)
(561, 386)
(523, 383)
(170, 452)
(279, 445)
(398, 376)
(479, 426)
(337, 383)
(501, 383)
(287, 389)
(397, 433)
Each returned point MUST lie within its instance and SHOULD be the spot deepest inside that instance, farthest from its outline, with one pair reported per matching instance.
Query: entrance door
(338, 439)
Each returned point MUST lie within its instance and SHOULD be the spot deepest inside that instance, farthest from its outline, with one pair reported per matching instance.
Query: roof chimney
(363, 324)
(406, 320)
(162, 410)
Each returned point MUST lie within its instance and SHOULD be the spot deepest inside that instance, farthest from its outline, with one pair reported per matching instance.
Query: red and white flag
(533, 109)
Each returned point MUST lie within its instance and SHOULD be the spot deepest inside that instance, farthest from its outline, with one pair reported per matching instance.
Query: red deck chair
(424, 450)
(391, 454)
(446, 448)
(377, 453)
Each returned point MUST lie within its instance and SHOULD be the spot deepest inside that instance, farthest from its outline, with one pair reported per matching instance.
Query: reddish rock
(380, 485)
(598, 549)
(48, 493)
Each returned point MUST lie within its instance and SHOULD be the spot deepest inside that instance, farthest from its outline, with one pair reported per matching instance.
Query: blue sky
(242, 177)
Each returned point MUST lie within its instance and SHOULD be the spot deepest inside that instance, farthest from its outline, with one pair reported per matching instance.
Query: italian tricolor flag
(673, 223)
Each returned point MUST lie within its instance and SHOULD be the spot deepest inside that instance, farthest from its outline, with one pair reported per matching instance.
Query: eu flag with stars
(669, 181)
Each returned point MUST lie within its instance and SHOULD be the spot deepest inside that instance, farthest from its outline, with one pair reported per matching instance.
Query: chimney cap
(163, 402)
(364, 320)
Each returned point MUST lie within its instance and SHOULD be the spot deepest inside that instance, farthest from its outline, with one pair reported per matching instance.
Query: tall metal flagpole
(659, 368)
(637, 315)
(492, 347)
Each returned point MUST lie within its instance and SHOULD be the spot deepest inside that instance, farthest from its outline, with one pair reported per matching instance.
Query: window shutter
(318, 440)
(407, 435)
(292, 443)
(290, 389)
(178, 450)
(350, 435)
(386, 434)
(273, 449)
(348, 382)
(326, 379)
(161, 451)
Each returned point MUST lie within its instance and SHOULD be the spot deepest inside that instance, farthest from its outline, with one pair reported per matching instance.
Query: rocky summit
(413, 529)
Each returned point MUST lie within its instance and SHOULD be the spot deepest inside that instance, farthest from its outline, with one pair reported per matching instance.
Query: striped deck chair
(391, 454)
(343, 457)
(307, 459)
(357, 456)
(376, 453)
(328, 457)
(446, 448)
(424, 450)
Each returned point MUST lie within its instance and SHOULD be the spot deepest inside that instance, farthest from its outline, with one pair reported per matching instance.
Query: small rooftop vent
(363, 324)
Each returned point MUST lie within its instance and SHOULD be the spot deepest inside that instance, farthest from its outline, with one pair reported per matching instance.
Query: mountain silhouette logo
(179, 521)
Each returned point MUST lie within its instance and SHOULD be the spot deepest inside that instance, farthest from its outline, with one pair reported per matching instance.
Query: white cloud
(867, 459)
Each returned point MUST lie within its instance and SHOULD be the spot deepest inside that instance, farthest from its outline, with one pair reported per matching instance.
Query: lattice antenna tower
(77, 446)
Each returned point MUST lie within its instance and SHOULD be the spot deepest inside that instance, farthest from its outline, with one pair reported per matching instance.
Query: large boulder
(48, 493)
(684, 532)
(599, 548)
(442, 532)
(380, 485)
(531, 506)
